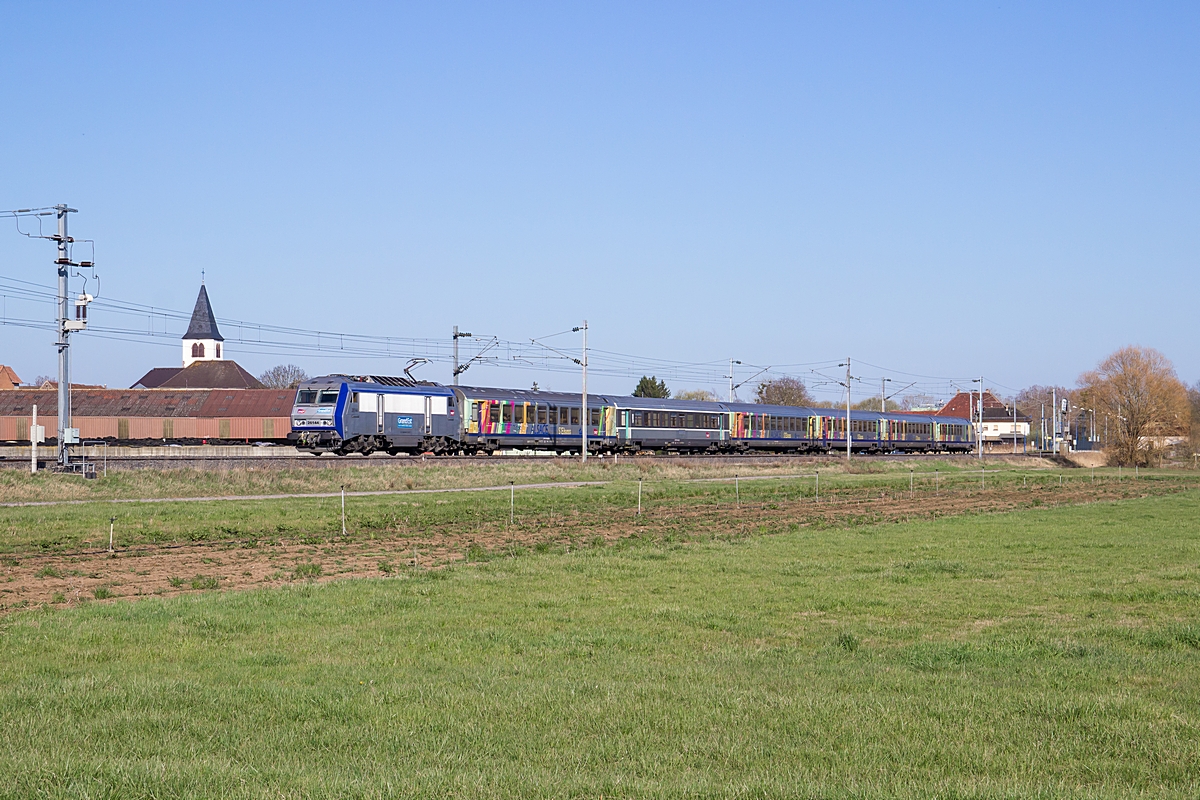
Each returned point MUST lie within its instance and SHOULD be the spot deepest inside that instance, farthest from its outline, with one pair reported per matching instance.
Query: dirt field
(97, 576)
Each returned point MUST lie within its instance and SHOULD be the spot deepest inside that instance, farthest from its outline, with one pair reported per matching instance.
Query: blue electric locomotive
(370, 413)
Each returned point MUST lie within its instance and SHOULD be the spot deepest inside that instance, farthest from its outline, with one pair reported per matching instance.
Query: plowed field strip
(156, 570)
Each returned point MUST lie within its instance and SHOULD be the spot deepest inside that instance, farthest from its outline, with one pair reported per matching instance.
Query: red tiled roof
(966, 405)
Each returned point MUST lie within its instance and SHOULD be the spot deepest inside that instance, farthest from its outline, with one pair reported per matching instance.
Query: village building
(204, 363)
(1000, 430)
(8, 378)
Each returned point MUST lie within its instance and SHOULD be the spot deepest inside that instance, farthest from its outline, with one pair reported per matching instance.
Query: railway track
(290, 461)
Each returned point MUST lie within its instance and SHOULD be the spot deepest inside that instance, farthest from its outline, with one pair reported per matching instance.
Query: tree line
(1134, 393)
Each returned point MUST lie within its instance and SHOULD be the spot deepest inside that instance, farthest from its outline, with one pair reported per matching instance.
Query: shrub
(102, 593)
(204, 582)
(307, 570)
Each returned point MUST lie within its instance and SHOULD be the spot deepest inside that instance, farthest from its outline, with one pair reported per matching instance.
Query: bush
(204, 582)
(307, 570)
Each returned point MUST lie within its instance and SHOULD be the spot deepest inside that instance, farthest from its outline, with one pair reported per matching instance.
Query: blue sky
(943, 190)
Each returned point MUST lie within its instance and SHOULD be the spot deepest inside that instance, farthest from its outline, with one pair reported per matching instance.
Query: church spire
(202, 342)
(204, 323)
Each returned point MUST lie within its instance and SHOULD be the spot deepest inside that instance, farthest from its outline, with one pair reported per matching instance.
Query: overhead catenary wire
(268, 339)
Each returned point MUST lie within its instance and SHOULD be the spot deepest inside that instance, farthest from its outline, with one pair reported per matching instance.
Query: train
(345, 414)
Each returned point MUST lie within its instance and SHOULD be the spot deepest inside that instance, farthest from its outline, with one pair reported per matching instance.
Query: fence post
(910, 484)
(512, 501)
(982, 485)
(343, 509)
(639, 497)
(818, 486)
(111, 522)
(937, 483)
(737, 491)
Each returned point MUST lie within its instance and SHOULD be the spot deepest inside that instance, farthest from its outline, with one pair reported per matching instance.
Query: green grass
(1044, 653)
(405, 474)
(68, 528)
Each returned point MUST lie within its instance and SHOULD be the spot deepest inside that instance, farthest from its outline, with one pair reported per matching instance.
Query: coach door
(428, 416)
(379, 413)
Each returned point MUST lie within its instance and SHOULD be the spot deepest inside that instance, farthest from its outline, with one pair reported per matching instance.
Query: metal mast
(457, 369)
(65, 326)
(848, 437)
(586, 419)
(980, 418)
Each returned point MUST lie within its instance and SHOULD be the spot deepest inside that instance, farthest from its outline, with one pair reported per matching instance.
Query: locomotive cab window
(306, 397)
(327, 397)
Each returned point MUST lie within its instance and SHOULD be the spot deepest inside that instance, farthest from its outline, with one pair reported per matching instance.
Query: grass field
(1049, 652)
(64, 528)
(16, 485)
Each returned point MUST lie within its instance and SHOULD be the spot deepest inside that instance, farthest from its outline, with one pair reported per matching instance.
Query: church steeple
(202, 342)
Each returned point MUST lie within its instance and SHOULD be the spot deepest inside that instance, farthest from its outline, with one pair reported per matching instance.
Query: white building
(203, 341)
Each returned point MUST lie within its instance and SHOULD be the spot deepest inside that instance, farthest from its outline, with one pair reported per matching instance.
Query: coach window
(574, 416)
(494, 413)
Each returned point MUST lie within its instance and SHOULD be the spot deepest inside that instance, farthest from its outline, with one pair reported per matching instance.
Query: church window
(218, 349)
(198, 350)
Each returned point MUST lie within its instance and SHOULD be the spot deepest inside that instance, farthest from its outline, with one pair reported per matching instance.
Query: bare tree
(703, 395)
(1193, 394)
(283, 376)
(783, 392)
(43, 380)
(872, 404)
(1031, 399)
(1137, 388)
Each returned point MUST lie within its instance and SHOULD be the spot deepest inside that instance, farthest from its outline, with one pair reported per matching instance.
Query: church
(204, 363)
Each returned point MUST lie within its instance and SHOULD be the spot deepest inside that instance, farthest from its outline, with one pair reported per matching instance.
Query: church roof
(212, 375)
(203, 324)
(156, 377)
